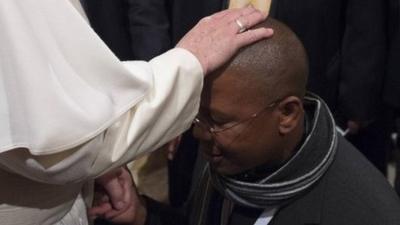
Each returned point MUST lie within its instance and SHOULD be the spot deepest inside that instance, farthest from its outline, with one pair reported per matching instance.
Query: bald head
(275, 68)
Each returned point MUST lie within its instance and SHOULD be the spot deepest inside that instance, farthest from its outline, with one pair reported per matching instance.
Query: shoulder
(351, 192)
(355, 189)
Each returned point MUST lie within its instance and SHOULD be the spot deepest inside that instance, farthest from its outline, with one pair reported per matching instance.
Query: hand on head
(215, 39)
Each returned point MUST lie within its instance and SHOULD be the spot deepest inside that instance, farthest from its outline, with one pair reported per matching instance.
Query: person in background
(126, 27)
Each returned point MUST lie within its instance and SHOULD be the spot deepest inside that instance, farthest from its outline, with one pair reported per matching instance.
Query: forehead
(227, 92)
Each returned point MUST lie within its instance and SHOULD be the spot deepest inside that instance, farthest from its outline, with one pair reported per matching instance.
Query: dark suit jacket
(143, 29)
(347, 57)
(132, 29)
(391, 93)
(109, 19)
(184, 14)
(352, 192)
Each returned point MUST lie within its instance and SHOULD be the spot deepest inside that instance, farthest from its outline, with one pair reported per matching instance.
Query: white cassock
(69, 110)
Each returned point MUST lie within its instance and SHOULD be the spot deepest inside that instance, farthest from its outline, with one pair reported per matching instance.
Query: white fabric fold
(59, 84)
(54, 180)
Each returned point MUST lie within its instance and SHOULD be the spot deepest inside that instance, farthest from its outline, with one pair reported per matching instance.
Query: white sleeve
(167, 110)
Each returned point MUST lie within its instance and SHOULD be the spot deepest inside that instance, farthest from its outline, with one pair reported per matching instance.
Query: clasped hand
(116, 199)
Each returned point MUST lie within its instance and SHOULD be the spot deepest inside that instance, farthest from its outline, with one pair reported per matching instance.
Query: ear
(291, 114)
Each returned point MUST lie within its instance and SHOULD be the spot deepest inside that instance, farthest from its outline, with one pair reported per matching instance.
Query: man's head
(254, 104)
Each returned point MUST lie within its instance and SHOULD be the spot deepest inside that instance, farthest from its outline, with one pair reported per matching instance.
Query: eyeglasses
(213, 128)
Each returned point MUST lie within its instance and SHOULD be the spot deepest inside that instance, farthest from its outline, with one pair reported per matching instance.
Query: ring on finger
(242, 27)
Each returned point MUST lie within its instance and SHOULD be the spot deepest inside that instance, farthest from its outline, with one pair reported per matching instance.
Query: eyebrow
(216, 112)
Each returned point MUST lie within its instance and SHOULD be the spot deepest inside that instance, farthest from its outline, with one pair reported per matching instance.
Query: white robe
(69, 110)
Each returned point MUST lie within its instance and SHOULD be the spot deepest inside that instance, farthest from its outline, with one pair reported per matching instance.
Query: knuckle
(260, 16)
(206, 19)
(251, 36)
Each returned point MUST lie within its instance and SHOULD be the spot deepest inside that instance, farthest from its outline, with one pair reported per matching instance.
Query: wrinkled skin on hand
(215, 39)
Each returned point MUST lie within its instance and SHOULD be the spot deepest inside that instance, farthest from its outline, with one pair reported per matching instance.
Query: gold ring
(242, 28)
